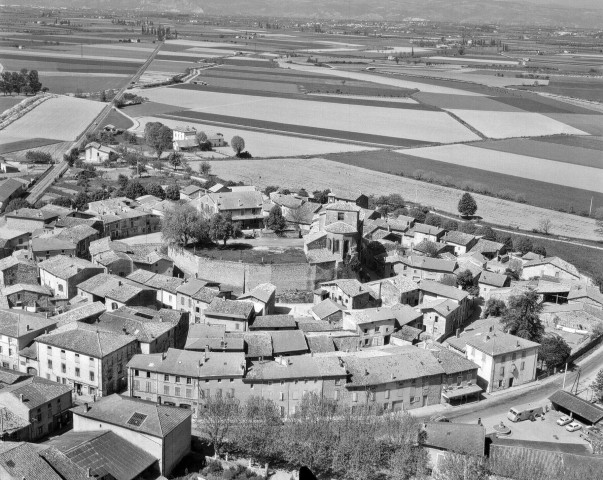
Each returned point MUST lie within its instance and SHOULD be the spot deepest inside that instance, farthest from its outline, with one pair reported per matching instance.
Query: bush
(506, 194)
(35, 156)
(520, 198)
(244, 155)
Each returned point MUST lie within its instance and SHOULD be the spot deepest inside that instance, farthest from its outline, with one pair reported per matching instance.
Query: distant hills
(577, 13)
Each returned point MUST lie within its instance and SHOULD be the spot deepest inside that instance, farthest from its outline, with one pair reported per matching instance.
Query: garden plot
(258, 143)
(62, 118)
(429, 126)
(318, 173)
(550, 171)
(497, 124)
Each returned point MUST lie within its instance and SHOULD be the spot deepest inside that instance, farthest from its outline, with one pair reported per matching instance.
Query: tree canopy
(238, 144)
(172, 192)
(222, 228)
(158, 137)
(554, 350)
(523, 245)
(522, 317)
(467, 205)
(182, 224)
(275, 220)
(156, 190)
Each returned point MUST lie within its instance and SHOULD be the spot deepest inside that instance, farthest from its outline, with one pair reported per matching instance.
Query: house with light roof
(552, 267)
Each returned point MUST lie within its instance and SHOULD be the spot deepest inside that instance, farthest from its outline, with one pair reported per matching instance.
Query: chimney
(491, 328)
(518, 345)
(21, 397)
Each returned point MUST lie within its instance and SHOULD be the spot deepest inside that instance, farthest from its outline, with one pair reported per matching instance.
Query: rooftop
(36, 391)
(452, 362)
(556, 262)
(66, 267)
(326, 308)
(18, 323)
(296, 367)
(86, 341)
(288, 341)
(21, 460)
(341, 228)
(467, 439)
(268, 322)
(350, 287)
(428, 263)
(442, 290)
(263, 292)
(458, 238)
(343, 206)
(220, 307)
(83, 312)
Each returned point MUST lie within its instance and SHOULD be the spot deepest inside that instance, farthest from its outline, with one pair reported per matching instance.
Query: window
(177, 379)
(354, 396)
(77, 371)
(181, 300)
(92, 376)
(63, 368)
(166, 378)
(189, 381)
(387, 394)
(49, 350)
(335, 246)
(189, 393)
(340, 216)
(523, 365)
(60, 287)
(166, 389)
(503, 359)
(281, 396)
(136, 373)
(523, 354)
(177, 391)
(502, 371)
(514, 356)
(50, 364)
(148, 374)
(338, 382)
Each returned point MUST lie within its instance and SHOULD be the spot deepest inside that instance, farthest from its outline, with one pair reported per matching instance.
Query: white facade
(56, 284)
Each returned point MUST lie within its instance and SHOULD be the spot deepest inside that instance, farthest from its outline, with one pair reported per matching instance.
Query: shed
(577, 407)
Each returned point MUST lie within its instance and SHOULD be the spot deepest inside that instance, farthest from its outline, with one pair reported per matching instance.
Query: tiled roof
(32, 213)
(443, 306)
(200, 330)
(350, 287)
(229, 308)
(268, 322)
(63, 465)
(236, 344)
(126, 321)
(26, 287)
(258, 344)
(592, 293)
(104, 453)
(105, 244)
(79, 338)
(341, 228)
(77, 233)
(36, 391)
(487, 246)
(343, 206)
(191, 189)
(66, 267)
(262, 292)
(156, 280)
(21, 460)
(427, 229)
(11, 261)
(288, 341)
(452, 362)
(288, 201)
(18, 323)
(405, 314)
(458, 238)
(577, 405)
(320, 343)
(370, 315)
(428, 263)
(321, 255)
(498, 343)
(108, 285)
(296, 367)
(326, 308)
(442, 290)
(408, 333)
(8, 187)
(117, 410)
(9, 377)
(237, 200)
(556, 262)
(462, 438)
(42, 244)
(192, 364)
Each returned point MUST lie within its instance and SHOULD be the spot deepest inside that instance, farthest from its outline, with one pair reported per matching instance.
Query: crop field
(592, 124)
(427, 126)
(592, 143)
(29, 144)
(67, 83)
(9, 102)
(591, 89)
(318, 173)
(536, 193)
(43, 121)
(224, 83)
(56, 150)
(550, 171)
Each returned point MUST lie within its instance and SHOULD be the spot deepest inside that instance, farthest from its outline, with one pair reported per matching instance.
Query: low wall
(242, 277)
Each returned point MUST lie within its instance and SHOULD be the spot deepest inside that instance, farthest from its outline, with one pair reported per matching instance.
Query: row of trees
(24, 82)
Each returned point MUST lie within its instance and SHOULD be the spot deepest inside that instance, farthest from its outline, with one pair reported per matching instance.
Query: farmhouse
(348, 293)
(184, 138)
(491, 280)
(461, 242)
(355, 198)
(97, 153)
(43, 248)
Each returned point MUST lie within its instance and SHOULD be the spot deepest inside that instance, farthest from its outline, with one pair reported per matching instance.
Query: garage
(576, 407)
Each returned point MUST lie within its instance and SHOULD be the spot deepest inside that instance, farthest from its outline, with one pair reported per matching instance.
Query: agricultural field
(319, 173)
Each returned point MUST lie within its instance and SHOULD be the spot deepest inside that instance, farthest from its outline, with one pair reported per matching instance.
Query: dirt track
(317, 173)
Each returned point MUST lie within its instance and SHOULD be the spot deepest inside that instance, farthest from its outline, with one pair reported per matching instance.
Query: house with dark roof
(490, 280)
(212, 338)
(24, 295)
(165, 286)
(419, 267)
(63, 274)
(91, 360)
(116, 292)
(18, 269)
(104, 453)
(327, 311)
(459, 382)
(235, 315)
(45, 247)
(489, 249)
(22, 460)
(591, 296)
(30, 219)
(274, 322)
(348, 293)
(9, 189)
(160, 430)
(438, 438)
(263, 297)
(461, 242)
(244, 206)
(42, 404)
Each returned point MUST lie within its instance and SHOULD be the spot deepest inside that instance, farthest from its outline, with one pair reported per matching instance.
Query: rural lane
(320, 174)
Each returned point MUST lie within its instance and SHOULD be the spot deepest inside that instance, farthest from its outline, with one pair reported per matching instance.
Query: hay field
(497, 124)
(260, 144)
(317, 173)
(61, 118)
(550, 171)
(429, 126)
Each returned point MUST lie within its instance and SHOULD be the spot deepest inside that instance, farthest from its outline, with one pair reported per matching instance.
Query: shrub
(506, 194)
(520, 198)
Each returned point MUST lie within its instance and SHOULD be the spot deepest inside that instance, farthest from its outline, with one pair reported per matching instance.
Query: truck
(525, 412)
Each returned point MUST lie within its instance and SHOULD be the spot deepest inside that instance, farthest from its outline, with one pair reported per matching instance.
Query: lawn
(537, 193)
(117, 119)
(244, 252)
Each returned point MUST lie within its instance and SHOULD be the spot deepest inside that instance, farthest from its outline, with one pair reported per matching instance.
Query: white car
(572, 427)
(564, 420)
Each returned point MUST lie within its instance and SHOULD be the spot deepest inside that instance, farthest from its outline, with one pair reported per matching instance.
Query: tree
(522, 317)
(450, 225)
(35, 156)
(597, 385)
(486, 233)
(134, 189)
(467, 227)
(180, 225)
(418, 213)
(238, 144)
(158, 137)
(172, 192)
(222, 228)
(205, 168)
(523, 245)
(545, 225)
(433, 220)
(465, 279)
(599, 221)
(103, 96)
(122, 181)
(494, 308)
(175, 160)
(216, 417)
(62, 202)
(467, 205)
(201, 138)
(258, 428)
(275, 220)
(156, 190)
(303, 193)
(80, 202)
(553, 351)
(430, 249)
(455, 466)
(270, 189)
(539, 250)
(505, 239)
(387, 204)
(321, 196)
(16, 204)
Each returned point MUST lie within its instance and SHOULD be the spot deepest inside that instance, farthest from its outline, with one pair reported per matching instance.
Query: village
(139, 325)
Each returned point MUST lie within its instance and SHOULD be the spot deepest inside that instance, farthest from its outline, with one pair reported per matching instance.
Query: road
(40, 188)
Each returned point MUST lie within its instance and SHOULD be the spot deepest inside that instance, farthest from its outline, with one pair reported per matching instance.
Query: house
(88, 312)
(19, 460)
(490, 280)
(395, 290)
(93, 362)
(27, 297)
(423, 232)
(341, 224)
(9, 189)
(160, 430)
(80, 235)
(195, 295)
(18, 269)
(165, 286)
(18, 329)
(216, 140)
(489, 249)
(212, 338)
(122, 217)
(43, 248)
(327, 311)
(591, 296)
(459, 383)
(354, 198)
(30, 219)
(461, 242)
(235, 315)
(263, 297)
(12, 239)
(273, 322)
(42, 404)
(440, 318)
(504, 360)
(288, 342)
(184, 138)
(218, 188)
(348, 293)
(116, 292)
(418, 267)
(63, 274)
(245, 207)
(438, 438)
(373, 325)
(191, 192)
(552, 267)
(103, 454)
(97, 153)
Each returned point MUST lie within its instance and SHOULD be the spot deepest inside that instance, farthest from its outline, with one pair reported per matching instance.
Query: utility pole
(564, 375)
(590, 211)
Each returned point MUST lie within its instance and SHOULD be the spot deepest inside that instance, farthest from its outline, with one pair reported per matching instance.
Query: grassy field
(235, 252)
(71, 83)
(7, 102)
(25, 144)
(537, 193)
(571, 141)
(587, 89)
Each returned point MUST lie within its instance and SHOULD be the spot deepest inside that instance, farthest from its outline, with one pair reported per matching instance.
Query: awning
(454, 392)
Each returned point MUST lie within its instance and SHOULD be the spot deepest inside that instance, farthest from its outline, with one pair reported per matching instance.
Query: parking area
(545, 430)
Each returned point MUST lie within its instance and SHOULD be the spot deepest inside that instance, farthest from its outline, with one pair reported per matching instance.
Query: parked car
(572, 427)
(438, 417)
(564, 420)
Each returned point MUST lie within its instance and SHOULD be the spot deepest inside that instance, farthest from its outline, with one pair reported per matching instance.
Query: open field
(86, 83)
(550, 171)
(317, 173)
(582, 142)
(56, 151)
(61, 118)
(25, 144)
(592, 124)
(588, 89)
(9, 102)
(536, 193)
(428, 126)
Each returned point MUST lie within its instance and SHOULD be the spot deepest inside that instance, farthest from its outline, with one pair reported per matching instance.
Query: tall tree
(222, 228)
(238, 144)
(523, 245)
(34, 81)
(175, 160)
(158, 137)
(494, 308)
(554, 351)
(522, 317)
(597, 385)
(205, 168)
(134, 189)
(172, 192)
(467, 205)
(258, 429)
(181, 224)
(156, 190)
(275, 220)
(487, 233)
(216, 418)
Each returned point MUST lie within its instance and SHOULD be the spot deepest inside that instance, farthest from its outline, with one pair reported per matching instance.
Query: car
(438, 417)
(564, 420)
(574, 426)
